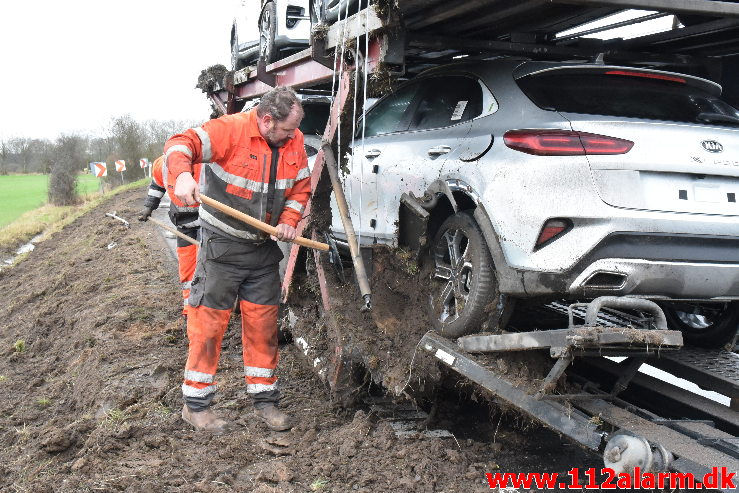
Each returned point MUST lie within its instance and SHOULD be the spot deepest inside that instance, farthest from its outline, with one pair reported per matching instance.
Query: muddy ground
(90, 375)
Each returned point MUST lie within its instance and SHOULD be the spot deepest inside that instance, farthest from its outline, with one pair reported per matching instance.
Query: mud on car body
(541, 180)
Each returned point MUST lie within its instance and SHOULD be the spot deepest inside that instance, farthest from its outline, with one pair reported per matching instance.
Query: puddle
(28, 247)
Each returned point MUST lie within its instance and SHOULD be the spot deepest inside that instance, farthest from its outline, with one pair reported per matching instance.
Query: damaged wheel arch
(421, 217)
(450, 212)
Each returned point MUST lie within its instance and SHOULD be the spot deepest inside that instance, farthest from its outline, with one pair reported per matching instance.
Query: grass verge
(50, 219)
(23, 193)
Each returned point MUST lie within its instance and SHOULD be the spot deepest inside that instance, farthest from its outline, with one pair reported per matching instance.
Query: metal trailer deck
(601, 420)
(422, 33)
(616, 404)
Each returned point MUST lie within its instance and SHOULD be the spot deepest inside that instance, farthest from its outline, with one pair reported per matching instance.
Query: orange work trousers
(187, 256)
(227, 269)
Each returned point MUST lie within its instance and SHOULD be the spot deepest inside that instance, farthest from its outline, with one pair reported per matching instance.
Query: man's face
(277, 133)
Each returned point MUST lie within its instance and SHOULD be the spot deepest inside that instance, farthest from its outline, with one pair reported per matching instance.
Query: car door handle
(439, 150)
(373, 153)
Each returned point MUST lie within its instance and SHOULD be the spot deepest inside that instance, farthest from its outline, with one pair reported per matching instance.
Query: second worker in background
(185, 218)
(256, 163)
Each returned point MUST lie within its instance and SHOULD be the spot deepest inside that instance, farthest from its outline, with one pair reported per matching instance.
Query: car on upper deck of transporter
(546, 180)
(268, 29)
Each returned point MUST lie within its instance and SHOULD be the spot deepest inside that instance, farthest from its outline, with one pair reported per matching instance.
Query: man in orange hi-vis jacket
(254, 162)
(185, 218)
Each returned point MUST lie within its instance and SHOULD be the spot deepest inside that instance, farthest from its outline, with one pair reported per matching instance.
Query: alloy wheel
(264, 34)
(453, 271)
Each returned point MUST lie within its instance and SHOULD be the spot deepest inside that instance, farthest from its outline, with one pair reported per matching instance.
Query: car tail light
(551, 230)
(647, 75)
(564, 143)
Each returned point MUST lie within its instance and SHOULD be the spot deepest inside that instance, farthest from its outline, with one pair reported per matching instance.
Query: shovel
(256, 223)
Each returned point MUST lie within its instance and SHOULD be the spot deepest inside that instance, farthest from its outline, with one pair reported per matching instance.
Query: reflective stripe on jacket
(236, 172)
(156, 187)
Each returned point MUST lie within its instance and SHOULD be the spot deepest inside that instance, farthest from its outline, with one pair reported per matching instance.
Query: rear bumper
(654, 279)
(653, 265)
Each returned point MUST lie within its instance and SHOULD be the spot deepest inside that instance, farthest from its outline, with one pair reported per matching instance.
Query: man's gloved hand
(144, 214)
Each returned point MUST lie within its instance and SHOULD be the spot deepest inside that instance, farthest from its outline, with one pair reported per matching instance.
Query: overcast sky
(72, 65)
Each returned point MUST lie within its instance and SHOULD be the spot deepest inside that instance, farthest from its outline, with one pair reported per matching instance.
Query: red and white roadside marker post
(99, 170)
(120, 166)
(144, 163)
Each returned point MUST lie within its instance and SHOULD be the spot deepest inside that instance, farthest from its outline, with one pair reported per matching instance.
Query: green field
(21, 193)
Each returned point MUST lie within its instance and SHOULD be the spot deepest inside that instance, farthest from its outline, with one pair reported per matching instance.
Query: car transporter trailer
(631, 418)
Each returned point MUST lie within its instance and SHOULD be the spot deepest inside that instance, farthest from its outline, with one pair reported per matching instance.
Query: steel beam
(218, 103)
(540, 50)
(711, 8)
(445, 11)
(302, 73)
(579, 337)
(720, 26)
(365, 21)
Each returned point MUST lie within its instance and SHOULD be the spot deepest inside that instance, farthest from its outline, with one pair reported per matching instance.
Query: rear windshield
(315, 118)
(627, 96)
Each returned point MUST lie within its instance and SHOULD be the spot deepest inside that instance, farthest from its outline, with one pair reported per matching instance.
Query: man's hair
(279, 102)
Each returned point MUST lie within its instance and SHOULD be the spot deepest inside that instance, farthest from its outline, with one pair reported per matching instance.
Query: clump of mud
(384, 340)
(211, 78)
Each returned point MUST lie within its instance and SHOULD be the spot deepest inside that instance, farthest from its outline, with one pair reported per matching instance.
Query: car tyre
(464, 285)
(267, 30)
(236, 62)
(317, 15)
(704, 324)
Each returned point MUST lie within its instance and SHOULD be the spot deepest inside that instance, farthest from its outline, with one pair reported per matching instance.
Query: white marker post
(120, 166)
(144, 163)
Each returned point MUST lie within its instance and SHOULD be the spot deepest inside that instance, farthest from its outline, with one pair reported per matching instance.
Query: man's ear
(268, 121)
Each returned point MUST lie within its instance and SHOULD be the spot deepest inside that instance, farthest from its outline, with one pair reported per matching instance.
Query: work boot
(275, 419)
(205, 420)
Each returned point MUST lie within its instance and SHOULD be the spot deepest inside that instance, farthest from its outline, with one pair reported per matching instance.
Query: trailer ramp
(695, 437)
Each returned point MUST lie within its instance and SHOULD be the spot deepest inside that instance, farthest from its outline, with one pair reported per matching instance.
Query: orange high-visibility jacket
(236, 171)
(156, 171)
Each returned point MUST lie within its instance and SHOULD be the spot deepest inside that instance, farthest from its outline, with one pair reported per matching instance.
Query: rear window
(315, 118)
(627, 96)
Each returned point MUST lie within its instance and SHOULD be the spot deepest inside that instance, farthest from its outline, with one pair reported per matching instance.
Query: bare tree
(159, 131)
(101, 148)
(70, 153)
(129, 138)
(43, 155)
(21, 147)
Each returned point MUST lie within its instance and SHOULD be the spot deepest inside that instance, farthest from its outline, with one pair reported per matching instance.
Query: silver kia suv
(540, 180)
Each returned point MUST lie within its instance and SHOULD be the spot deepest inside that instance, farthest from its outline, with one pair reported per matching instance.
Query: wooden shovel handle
(256, 223)
(173, 231)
